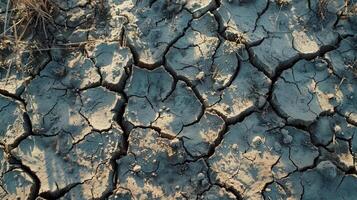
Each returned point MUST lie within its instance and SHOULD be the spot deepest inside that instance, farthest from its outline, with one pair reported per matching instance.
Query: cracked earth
(172, 99)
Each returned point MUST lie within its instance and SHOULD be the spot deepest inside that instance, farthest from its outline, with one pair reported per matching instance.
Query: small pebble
(136, 168)
(257, 140)
(175, 142)
(200, 76)
(200, 176)
(337, 128)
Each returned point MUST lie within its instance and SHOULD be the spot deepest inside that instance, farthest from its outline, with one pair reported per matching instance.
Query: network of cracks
(172, 99)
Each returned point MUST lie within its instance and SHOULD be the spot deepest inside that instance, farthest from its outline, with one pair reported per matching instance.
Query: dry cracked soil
(173, 99)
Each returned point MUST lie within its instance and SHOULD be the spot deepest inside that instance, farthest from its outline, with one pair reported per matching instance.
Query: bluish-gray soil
(174, 99)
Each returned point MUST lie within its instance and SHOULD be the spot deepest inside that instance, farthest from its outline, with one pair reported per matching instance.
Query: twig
(8, 72)
(3, 33)
(18, 62)
(277, 17)
(7, 11)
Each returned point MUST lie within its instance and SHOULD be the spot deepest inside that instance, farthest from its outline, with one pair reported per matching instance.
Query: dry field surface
(178, 99)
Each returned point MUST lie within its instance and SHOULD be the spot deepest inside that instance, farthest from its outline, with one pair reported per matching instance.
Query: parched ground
(173, 99)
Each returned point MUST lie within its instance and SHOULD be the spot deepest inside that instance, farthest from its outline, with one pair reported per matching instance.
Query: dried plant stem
(6, 16)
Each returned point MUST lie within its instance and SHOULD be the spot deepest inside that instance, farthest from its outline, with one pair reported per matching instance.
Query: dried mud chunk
(14, 182)
(155, 85)
(112, 61)
(246, 155)
(111, 21)
(342, 128)
(151, 29)
(160, 174)
(327, 128)
(146, 89)
(302, 151)
(325, 178)
(101, 183)
(344, 64)
(81, 73)
(226, 62)
(60, 163)
(343, 59)
(200, 56)
(253, 153)
(286, 188)
(210, 64)
(140, 111)
(300, 113)
(305, 30)
(245, 94)
(53, 109)
(310, 87)
(193, 53)
(18, 65)
(199, 7)
(181, 108)
(322, 131)
(13, 81)
(271, 60)
(241, 16)
(285, 165)
(348, 103)
(338, 152)
(201, 136)
(295, 31)
(110, 29)
(151, 92)
(347, 189)
(100, 106)
(12, 121)
(76, 72)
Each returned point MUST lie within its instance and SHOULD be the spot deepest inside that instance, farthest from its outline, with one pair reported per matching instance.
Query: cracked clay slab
(179, 99)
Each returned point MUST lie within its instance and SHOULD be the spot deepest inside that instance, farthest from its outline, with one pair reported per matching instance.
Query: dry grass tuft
(322, 8)
(22, 19)
(40, 10)
(350, 8)
(282, 2)
(21, 13)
